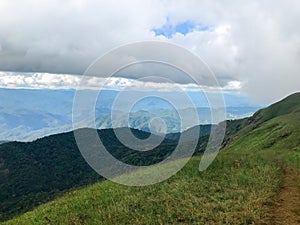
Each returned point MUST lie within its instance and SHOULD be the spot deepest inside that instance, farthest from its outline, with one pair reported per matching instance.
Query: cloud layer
(14, 80)
(256, 43)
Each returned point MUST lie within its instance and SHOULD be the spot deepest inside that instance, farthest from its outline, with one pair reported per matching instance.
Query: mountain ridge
(289, 104)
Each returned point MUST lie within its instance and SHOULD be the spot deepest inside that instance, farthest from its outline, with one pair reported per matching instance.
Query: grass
(224, 194)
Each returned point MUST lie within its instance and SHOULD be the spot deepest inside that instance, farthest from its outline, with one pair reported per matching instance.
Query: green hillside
(288, 105)
(240, 187)
(36, 172)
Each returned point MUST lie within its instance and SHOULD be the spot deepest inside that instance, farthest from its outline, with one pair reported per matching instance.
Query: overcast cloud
(254, 42)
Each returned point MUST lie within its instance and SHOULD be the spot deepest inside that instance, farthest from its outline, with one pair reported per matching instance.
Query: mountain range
(29, 114)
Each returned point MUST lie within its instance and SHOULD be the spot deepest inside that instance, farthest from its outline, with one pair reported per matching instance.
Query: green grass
(223, 194)
(238, 188)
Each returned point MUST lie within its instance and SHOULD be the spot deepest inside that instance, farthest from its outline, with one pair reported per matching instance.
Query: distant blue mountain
(30, 114)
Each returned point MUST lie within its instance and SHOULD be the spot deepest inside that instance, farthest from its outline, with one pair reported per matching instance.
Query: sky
(253, 47)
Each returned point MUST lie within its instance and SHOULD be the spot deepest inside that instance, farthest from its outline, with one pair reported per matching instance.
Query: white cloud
(37, 80)
(67, 81)
(256, 43)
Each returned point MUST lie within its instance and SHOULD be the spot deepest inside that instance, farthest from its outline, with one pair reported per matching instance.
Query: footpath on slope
(286, 210)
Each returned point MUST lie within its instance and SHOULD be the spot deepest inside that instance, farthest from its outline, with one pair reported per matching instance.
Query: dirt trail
(286, 211)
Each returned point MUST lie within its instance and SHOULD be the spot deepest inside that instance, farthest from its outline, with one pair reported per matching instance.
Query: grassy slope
(223, 194)
(36, 172)
(287, 105)
(238, 188)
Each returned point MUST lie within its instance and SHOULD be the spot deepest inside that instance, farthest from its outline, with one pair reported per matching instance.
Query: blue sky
(169, 29)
